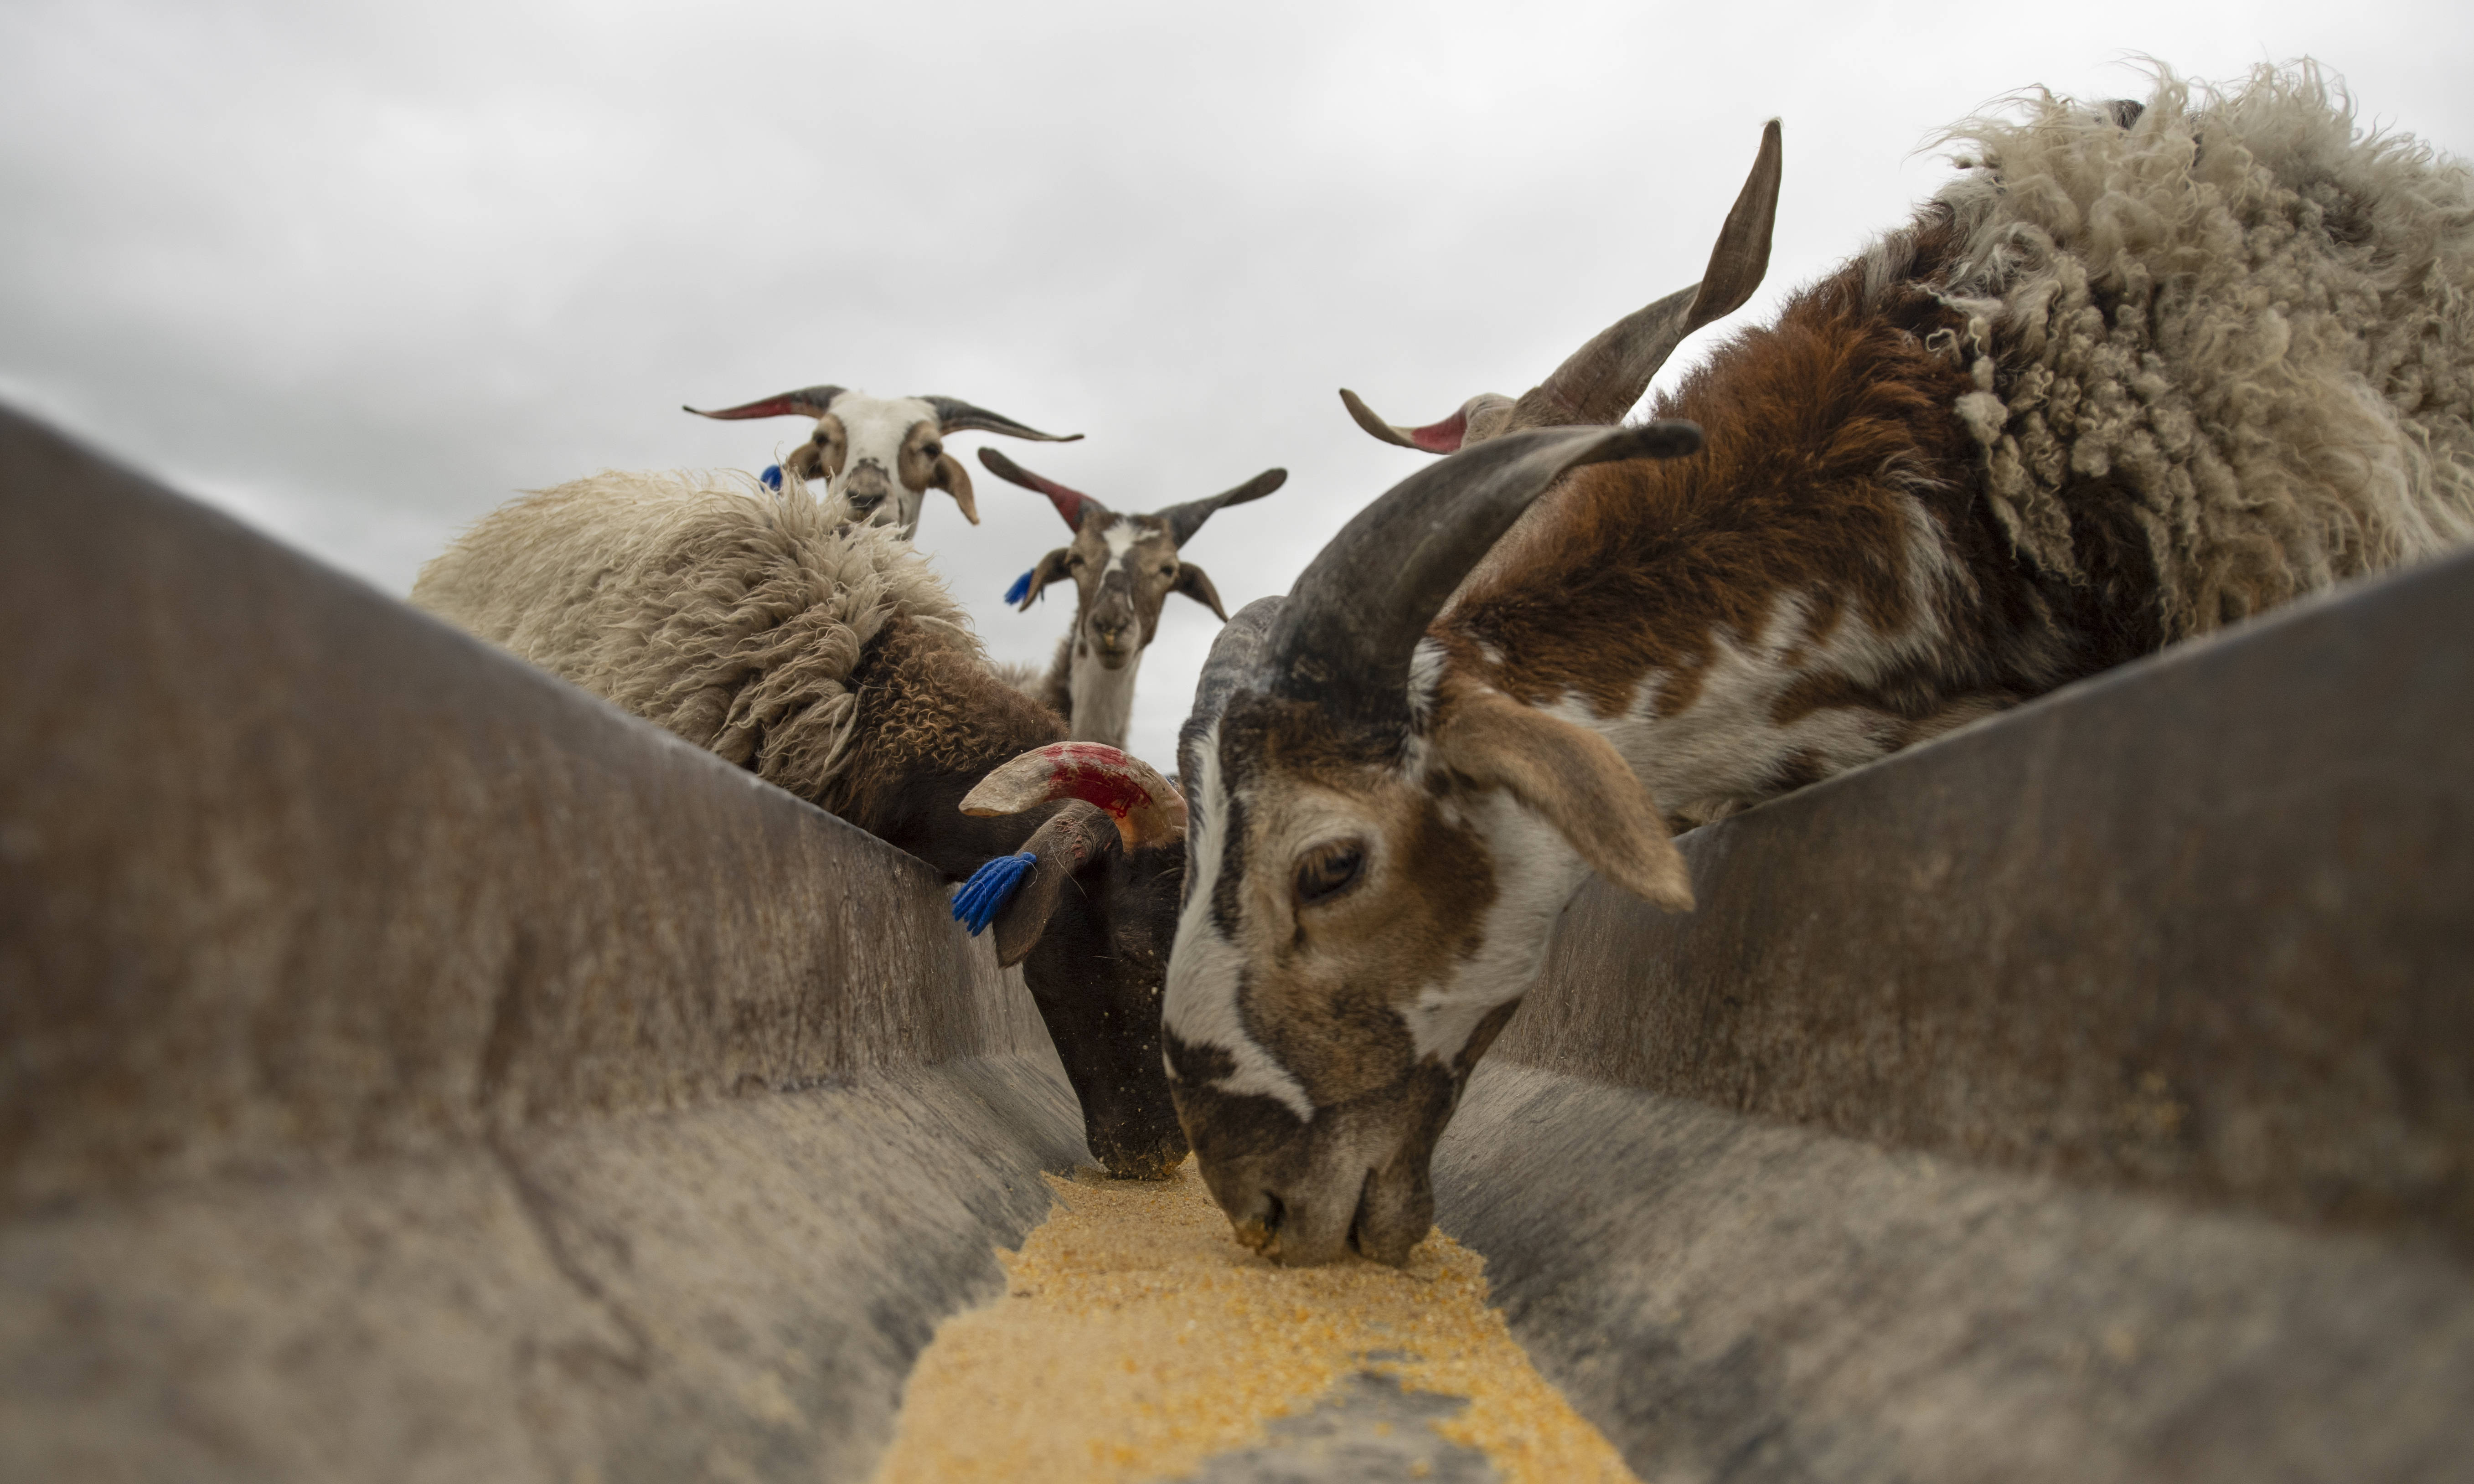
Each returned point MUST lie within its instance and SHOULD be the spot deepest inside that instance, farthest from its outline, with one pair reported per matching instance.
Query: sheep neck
(1103, 699)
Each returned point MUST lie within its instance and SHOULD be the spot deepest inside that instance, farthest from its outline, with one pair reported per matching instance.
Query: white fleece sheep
(2238, 315)
(727, 612)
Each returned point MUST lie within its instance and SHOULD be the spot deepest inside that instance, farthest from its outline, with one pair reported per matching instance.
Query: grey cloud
(359, 275)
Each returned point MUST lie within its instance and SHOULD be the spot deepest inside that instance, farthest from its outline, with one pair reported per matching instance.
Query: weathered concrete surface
(2204, 925)
(1731, 1299)
(729, 1291)
(415, 1069)
(2087, 1096)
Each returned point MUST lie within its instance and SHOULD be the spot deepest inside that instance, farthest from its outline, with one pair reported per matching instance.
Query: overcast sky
(359, 273)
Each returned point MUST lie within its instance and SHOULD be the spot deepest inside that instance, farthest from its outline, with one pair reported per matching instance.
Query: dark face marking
(1097, 975)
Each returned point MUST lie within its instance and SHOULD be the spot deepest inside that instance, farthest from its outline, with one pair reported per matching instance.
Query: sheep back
(733, 615)
(2235, 325)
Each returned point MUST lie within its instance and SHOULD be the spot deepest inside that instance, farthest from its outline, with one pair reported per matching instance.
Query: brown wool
(1136, 1339)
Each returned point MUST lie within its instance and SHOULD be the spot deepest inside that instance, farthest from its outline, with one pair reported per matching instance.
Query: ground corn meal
(1136, 1339)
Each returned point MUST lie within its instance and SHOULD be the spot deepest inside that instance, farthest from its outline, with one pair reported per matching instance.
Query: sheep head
(1599, 383)
(1377, 855)
(1090, 922)
(884, 454)
(1124, 567)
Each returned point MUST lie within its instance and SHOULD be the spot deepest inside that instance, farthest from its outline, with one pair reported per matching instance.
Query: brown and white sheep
(2137, 372)
(1122, 568)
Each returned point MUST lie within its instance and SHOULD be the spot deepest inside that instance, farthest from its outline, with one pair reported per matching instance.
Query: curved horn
(1146, 808)
(1184, 520)
(1344, 639)
(1070, 503)
(1442, 437)
(1239, 652)
(956, 415)
(806, 402)
(1599, 382)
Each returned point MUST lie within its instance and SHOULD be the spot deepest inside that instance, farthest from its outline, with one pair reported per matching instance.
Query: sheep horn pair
(1599, 383)
(1100, 787)
(952, 414)
(1342, 638)
(1183, 519)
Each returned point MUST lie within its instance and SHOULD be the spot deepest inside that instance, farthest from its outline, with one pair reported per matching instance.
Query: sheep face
(1378, 850)
(1091, 928)
(1122, 568)
(1096, 974)
(883, 456)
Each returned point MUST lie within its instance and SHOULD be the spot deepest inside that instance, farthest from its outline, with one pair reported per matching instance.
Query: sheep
(882, 455)
(822, 654)
(1123, 567)
(2136, 374)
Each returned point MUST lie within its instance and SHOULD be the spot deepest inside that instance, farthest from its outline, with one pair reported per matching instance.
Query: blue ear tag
(772, 475)
(990, 887)
(1019, 589)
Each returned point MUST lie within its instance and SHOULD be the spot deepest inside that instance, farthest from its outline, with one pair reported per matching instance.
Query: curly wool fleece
(2236, 329)
(732, 614)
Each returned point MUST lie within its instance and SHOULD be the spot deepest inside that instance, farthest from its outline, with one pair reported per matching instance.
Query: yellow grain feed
(1136, 1339)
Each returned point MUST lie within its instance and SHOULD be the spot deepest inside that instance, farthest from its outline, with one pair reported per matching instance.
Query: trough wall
(416, 1069)
(2089, 1093)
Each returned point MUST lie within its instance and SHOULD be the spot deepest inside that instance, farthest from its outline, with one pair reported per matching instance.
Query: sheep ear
(807, 462)
(1052, 569)
(1196, 584)
(954, 480)
(1575, 780)
(1072, 837)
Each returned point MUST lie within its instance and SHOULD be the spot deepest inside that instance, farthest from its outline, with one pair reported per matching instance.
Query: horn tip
(1663, 438)
(1365, 417)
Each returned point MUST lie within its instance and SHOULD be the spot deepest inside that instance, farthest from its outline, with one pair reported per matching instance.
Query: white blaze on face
(875, 430)
(1205, 968)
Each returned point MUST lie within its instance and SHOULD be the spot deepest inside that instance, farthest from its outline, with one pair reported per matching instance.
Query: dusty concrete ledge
(1730, 1298)
(2204, 925)
(412, 1068)
(731, 1291)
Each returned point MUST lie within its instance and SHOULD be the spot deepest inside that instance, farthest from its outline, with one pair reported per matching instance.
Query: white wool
(2239, 326)
(729, 613)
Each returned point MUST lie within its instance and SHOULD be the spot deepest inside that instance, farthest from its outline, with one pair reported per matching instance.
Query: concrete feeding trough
(416, 1069)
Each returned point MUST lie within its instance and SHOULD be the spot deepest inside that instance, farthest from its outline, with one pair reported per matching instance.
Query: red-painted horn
(1146, 808)
(1071, 504)
(806, 402)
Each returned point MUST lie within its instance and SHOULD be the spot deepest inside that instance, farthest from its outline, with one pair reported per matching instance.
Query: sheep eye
(1074, 564)
(931, 450)
(1328, 872)
(1168, 571)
